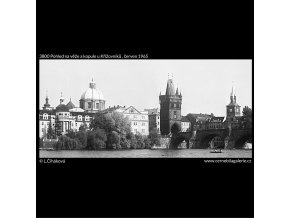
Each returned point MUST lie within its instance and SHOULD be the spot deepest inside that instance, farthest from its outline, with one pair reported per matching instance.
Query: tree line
(106, 131)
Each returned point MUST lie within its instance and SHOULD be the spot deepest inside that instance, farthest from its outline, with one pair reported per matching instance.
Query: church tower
(46, 106)
(233, 109)
(170, 108)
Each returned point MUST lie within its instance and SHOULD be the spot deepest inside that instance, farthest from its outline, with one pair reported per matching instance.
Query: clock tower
(233, 109)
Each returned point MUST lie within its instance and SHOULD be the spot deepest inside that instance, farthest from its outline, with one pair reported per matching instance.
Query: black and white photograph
(145, 108)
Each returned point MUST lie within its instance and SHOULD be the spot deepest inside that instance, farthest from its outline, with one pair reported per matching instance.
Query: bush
(140, 141)
(96, 139)
(66, 143)
(154, 137)
(147, 143)
(41, 142)
(113, 141)
(81, 136)
(124, 142)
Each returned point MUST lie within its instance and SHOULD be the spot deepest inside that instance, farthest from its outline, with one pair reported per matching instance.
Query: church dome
(62, 108)
(92, 93)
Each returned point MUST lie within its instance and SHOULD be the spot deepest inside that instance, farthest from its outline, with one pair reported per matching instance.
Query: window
(97, 105)
(89, 104)
(157, 123)
(42, 123)
(175, 114)
(80, 117)
(174, 105)
(143, 124)
(135, 123)
(143, 117)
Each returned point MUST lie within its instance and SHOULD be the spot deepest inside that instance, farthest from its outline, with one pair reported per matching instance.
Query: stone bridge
(232, 138)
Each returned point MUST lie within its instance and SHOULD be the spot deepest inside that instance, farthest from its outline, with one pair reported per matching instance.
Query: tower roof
(233, 91)
(170, 87)
(70, 105)
(61, 108)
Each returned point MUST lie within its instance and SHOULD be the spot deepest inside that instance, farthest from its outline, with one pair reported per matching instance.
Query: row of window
(173, 105)
(136, 131)
(135, 124)
(90, 105)
(231, 110)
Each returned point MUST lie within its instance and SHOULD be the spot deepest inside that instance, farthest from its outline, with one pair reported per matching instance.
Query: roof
(170, 87)
(92, 94)
(184, 119)
(76, 109)
(49, 112)
(70, 105)
(152, 111)
(61, 108)
(233, 104)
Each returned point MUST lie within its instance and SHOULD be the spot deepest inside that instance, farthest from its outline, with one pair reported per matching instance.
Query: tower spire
(233, 89)
(61, 98)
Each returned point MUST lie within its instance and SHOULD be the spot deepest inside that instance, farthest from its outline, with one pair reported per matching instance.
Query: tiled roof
(62, 108)
(184, 119)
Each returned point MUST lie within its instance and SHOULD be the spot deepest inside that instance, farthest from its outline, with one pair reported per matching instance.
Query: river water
(147, 153)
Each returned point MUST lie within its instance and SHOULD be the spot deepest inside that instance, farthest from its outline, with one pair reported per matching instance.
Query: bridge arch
(206, 139)
(239, 142)
(177, 139)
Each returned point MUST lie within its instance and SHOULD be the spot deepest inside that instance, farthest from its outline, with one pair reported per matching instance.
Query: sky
(205, 84)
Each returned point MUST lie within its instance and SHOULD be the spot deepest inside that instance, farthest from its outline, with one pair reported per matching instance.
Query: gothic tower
(233, 109)
(170, 108)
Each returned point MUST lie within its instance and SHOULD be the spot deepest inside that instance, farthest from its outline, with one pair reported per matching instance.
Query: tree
(247, 111)
(124, 142)
(247, 117)
(81, 136)
(66, 143)
(175, 128)
(57, 127)
(147, 142)
(140, 141)
(84, 127)
(113, 140)
(103, 121)
(132, 139)
(122, 124)
(96, 139)
(154, 137)
(40, 142)
(50, 133)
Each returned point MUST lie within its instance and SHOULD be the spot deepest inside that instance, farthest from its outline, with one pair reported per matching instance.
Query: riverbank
(146, 153)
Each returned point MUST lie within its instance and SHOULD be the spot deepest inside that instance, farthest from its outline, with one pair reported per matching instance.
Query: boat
(216, 151)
